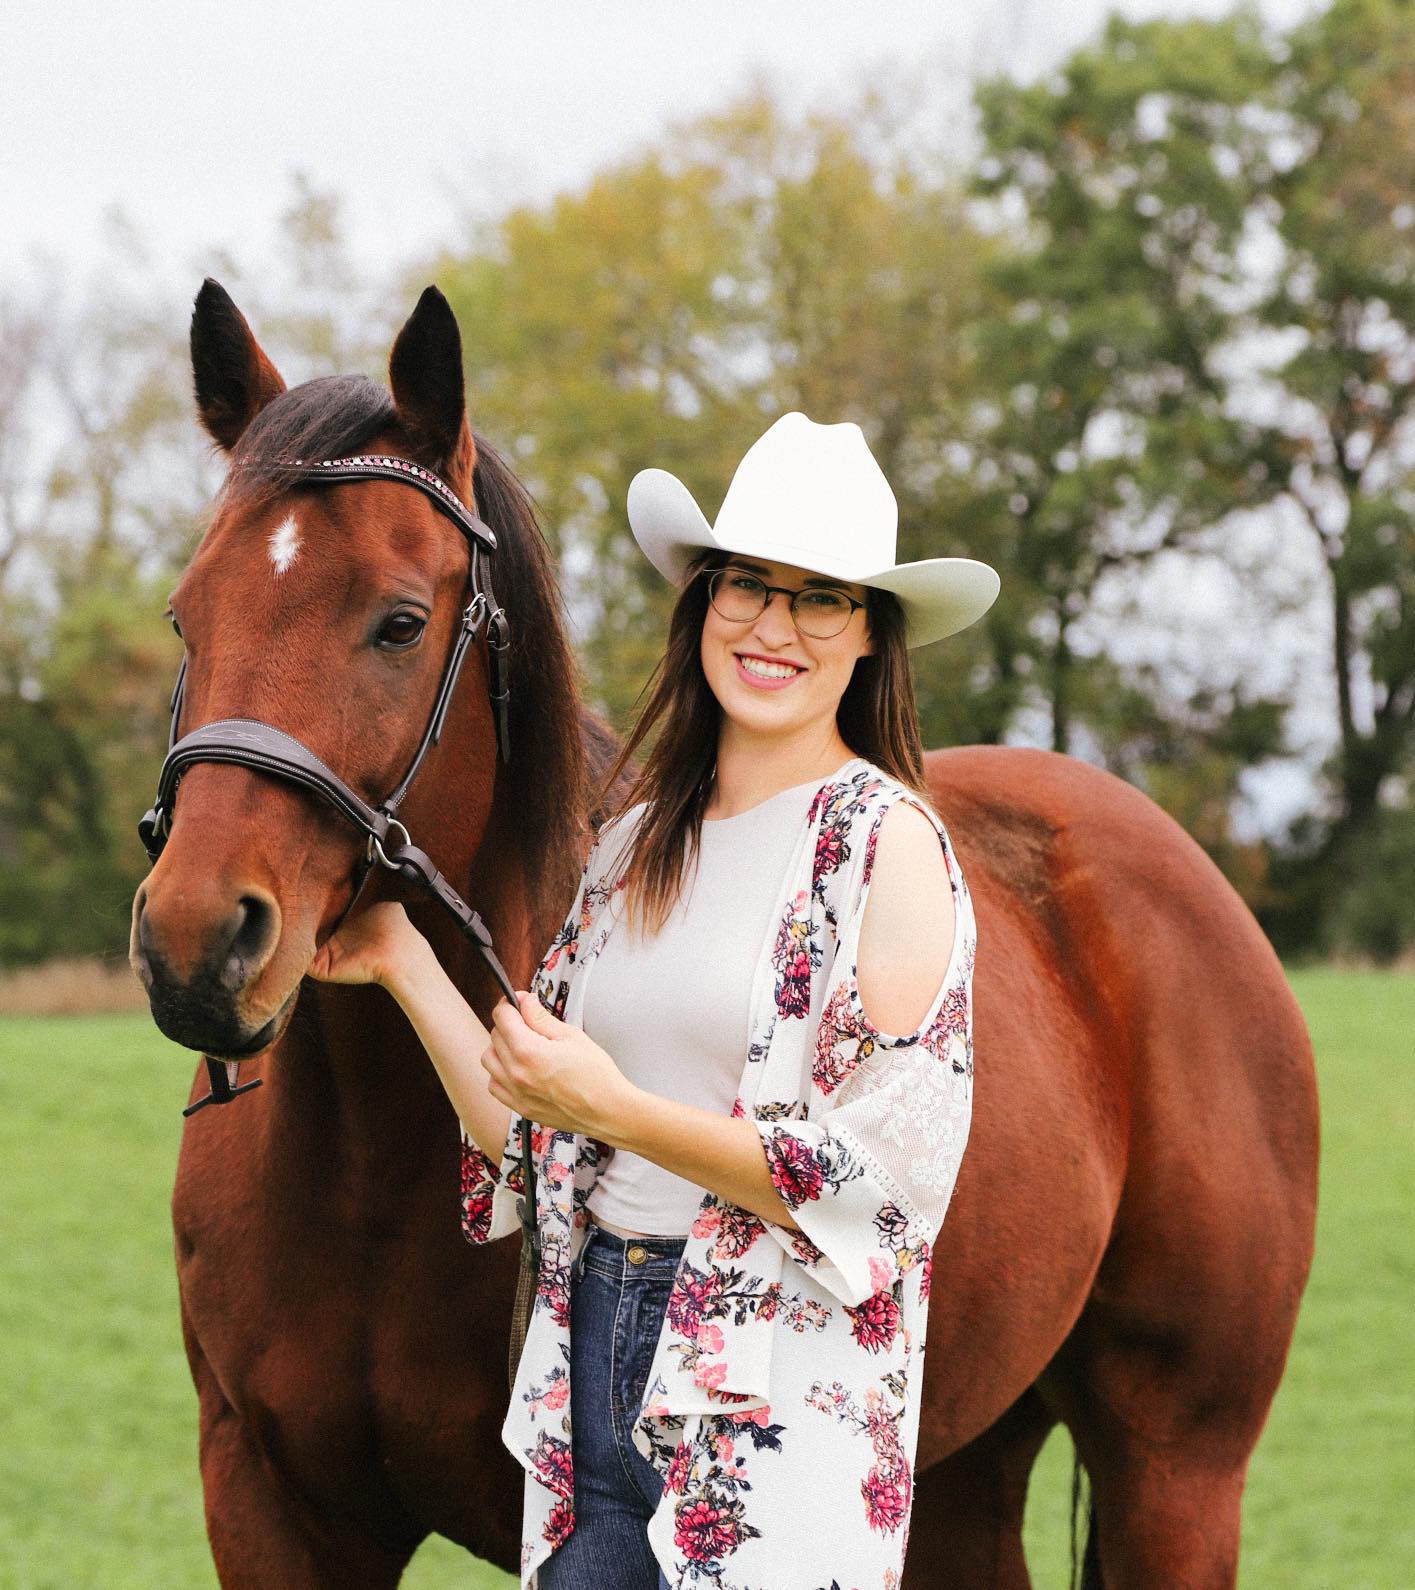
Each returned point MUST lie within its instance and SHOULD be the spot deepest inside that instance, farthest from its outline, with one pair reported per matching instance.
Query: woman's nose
(776, 618)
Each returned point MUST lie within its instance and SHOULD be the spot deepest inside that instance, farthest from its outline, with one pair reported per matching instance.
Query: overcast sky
(191, 116)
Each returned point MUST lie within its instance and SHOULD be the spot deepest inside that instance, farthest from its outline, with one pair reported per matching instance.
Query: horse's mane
(547, 745)
(335, 415)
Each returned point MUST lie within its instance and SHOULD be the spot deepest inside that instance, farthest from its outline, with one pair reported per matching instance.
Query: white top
(683, 1038)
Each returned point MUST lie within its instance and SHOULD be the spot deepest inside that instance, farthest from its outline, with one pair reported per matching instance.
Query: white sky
(191, 115)
(190, 118)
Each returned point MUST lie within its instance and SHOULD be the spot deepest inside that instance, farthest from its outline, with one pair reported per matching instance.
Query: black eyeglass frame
(768, 591)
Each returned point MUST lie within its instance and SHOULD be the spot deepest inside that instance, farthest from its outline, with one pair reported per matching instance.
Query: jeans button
(636, 1254)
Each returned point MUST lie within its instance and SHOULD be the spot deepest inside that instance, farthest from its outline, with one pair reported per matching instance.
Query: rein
(250, 743)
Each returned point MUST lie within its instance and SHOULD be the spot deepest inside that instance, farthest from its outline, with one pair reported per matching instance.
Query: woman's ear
(869, 648)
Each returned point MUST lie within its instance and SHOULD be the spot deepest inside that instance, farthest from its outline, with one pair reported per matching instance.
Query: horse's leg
(262, 1533)
(965, 1530)
(1164, 1525)
(1165, 1425)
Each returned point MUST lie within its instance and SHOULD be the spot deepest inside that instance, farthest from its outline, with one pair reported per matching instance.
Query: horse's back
(1144, 1120)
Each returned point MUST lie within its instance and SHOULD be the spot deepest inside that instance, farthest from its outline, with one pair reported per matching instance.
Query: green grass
(98, 1476)
(1329, 1495)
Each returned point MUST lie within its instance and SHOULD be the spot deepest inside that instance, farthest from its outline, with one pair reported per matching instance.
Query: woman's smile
(766, 673)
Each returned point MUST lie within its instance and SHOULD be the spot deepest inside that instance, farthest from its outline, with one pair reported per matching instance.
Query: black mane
(547, 721)
(328, 417)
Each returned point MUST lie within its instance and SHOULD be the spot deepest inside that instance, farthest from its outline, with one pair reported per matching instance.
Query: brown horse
(1133, 1224)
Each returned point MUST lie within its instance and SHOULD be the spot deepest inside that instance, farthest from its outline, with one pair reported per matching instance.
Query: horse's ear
(234, 379)
(425, 372)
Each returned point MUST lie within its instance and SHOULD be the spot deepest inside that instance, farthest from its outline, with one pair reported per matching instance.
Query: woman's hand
(375, 946)
(551, 1072)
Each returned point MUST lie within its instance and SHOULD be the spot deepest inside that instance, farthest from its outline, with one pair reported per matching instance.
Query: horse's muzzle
(198, 1002)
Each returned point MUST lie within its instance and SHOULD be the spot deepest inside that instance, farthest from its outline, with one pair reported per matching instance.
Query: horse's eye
(400, 630)
(171, 618)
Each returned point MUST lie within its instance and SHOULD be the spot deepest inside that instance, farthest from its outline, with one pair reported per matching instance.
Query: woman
(749, 1122)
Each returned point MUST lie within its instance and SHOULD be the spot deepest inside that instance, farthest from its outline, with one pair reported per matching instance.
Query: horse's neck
(352, 1056)
(496, 890)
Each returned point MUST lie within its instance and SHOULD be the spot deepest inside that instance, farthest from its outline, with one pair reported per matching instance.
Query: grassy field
(98, 1477)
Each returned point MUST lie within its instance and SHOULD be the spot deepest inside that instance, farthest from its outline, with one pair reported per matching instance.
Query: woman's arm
(718, 1152)
(553, 1073)
(869, 1175)
(382, 946)
(556, 1074)
(906, 937)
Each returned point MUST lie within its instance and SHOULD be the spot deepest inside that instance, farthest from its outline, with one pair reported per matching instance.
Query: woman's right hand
(380, 945)
(372, 947)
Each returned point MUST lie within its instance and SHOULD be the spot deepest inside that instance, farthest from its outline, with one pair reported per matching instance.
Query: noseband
(249, 743)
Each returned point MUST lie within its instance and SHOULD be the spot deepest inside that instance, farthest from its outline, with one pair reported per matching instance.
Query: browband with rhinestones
(387, 466)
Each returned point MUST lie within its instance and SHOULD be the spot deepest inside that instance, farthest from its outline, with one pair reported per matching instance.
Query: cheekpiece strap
(388, 466)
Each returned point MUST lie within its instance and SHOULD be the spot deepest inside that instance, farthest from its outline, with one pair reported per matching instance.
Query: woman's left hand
(550, 1072)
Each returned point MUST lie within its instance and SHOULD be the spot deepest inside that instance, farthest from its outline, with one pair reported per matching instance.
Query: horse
(1132, 1226)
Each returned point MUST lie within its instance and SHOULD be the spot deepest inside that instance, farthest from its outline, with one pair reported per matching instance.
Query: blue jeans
(618, 1294)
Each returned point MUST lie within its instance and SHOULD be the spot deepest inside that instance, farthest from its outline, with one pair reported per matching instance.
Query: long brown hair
(877, 717)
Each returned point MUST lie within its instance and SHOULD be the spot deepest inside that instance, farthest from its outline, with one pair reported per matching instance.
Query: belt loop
(582, 1254)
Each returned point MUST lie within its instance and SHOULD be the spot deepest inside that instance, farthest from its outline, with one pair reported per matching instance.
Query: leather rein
(249, 743)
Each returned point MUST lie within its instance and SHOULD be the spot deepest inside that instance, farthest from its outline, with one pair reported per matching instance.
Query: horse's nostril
(141, 956)
(249, 944)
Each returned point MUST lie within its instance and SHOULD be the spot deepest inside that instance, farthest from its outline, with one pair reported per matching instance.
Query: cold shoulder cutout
(906, 935)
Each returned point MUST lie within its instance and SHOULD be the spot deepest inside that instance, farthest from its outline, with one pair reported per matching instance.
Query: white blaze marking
(284, 544)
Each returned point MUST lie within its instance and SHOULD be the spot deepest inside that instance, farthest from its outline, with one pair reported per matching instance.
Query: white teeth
(765, 670)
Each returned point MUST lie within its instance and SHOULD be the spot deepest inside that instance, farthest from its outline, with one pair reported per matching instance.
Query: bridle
(247, 742)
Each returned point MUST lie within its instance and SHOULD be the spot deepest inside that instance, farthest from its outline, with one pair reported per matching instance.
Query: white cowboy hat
(813, 496)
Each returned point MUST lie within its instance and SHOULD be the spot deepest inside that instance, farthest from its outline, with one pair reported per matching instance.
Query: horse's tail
(1085, 1572)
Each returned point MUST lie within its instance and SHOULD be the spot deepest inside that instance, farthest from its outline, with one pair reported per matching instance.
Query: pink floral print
(888, 1486)
(875, 1322)
(842, 1042)
(772, 1333)
(797, 954)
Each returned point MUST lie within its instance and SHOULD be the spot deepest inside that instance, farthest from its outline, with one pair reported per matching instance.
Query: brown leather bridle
(250, 743)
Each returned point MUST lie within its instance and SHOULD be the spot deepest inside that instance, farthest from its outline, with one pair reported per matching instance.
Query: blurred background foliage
(1151, 328)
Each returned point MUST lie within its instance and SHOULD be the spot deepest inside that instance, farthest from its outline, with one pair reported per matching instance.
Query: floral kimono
(782, 1404)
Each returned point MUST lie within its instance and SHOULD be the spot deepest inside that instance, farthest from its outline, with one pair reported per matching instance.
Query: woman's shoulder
(613, 845)
(865, 793)
(620, 823)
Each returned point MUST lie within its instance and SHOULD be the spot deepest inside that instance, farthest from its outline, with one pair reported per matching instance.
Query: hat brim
(940, 596)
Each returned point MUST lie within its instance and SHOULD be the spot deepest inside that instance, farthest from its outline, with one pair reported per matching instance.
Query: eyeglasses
(818, 610)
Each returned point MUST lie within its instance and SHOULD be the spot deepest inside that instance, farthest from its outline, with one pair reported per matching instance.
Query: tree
(1343, 452)
(105, 483)
(1126, 183)
(1245, 202)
